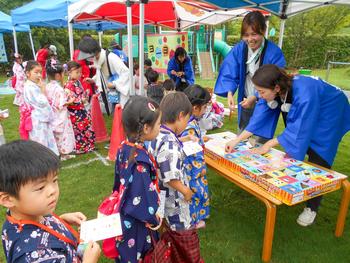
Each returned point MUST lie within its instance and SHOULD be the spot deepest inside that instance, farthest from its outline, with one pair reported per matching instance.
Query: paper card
(191, 148)
(101, 228)
(161, 207)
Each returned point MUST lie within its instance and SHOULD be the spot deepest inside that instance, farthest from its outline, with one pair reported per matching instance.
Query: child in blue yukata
(195, 167)
(29, 190)
(167, 149)
(136, 178)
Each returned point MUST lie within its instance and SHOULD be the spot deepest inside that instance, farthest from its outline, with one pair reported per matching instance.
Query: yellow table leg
(343, 210)
(269, 230)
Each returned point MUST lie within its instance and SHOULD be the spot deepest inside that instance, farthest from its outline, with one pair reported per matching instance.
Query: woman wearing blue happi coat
(180, 69)
(317, 116)
(240, 64)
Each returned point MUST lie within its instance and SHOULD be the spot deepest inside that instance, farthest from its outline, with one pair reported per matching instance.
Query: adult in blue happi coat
(240, 64)
(180, 69)
(317, 116)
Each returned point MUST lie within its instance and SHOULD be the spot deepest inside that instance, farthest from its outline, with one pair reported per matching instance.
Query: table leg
(269, 230)
(343, 210)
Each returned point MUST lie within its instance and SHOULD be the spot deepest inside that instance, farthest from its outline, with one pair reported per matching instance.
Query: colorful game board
(287, 179)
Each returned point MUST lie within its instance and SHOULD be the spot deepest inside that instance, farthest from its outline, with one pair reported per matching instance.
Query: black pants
(315, 203)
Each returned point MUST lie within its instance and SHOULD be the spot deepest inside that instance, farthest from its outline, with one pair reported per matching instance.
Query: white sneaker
(307, 217)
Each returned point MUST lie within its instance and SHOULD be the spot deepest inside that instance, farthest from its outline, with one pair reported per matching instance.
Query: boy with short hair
(29, 190)
(168, 151)
(168, 86)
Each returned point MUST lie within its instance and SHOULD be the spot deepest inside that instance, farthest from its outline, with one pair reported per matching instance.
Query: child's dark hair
(197, 95)
(148, 62)
(53, 67)
(73, 65)
(136, 67)
(155, 92)
(22, 162)
(169, 85)
(31, 64)
(172, 105)
(137, 112)
(152, 76)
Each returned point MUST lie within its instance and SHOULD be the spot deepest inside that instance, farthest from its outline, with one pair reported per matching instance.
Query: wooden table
(271, 204)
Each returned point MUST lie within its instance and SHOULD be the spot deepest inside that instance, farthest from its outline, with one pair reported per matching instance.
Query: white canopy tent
(178, 15)
(280, 8)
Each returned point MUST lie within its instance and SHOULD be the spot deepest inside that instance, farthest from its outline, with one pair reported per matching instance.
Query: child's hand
(188, 194)
(188, 138)
(110, 85)
(92, 253)
(74, 218)
(204, 172)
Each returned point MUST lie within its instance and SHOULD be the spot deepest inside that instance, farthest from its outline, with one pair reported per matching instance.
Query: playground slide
(221, 47)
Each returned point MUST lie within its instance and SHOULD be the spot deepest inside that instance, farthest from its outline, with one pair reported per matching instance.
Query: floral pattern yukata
(139, 202)
(80, 118)
(18, 71)
(32, 244)
(62, 125)
(42, 116)
(195, 169)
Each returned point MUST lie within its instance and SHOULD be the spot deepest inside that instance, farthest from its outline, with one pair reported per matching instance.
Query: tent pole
(280, 40)
(31, 43)
(15, 39)
(71, 40)
(142, 46)
(131, 66)
(267, 28)
(100, 33)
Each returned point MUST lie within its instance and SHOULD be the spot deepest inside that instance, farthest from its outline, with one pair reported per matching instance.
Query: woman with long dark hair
(317, 116)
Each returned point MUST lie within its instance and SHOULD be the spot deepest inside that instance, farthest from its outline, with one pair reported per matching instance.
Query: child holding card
(29, 190)
(136, 178)
(195, 167)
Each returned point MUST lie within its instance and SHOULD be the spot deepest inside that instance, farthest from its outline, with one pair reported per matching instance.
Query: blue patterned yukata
(195, 169)
(139, 204)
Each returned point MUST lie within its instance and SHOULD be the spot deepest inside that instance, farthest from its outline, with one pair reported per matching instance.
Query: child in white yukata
(29, 190)
(41, 114)
(58, 99)
(19, 74)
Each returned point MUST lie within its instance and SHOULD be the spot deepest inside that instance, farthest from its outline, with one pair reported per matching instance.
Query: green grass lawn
(234, 231)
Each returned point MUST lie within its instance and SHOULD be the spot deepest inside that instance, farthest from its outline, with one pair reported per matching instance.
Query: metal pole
(131, 66)
(141, 45)
(31, 43)
(280, 40)
(267, 28)
(328, 70)
(71, 40)
(100, 33)
(15, 39)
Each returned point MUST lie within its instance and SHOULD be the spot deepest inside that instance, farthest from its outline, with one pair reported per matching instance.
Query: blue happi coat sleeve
(188, 68)
(301, 123)
(264, 120)
(172, 66)
(141, 200)
(229, 74)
